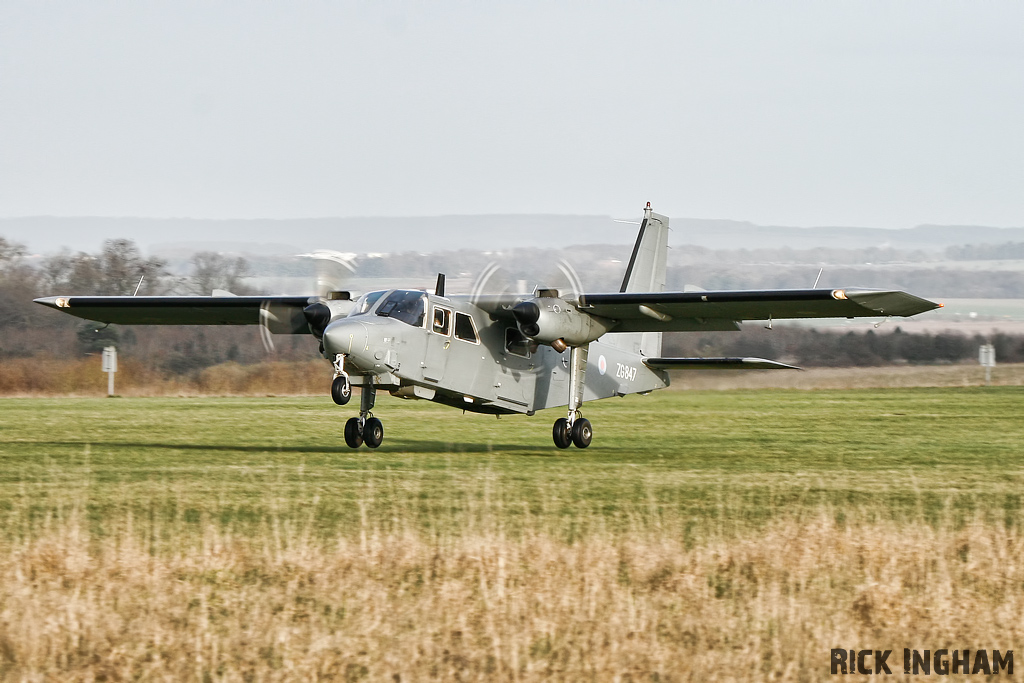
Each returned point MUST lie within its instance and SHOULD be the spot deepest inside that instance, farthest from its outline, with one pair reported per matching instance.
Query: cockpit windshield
(406, 305)
(366, 302)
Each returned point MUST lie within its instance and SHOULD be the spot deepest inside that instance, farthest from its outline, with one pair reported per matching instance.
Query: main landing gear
(578, 433)
(365, 429)
(574, 429)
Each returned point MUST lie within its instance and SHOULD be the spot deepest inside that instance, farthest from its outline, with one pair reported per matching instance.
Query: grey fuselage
(449, 350)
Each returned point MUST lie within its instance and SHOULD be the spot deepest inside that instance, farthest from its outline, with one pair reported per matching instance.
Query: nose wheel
(341, 390)
(341, 387)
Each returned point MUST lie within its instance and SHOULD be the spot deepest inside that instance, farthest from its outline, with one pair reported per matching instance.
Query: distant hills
(45, 234)
(724, 234)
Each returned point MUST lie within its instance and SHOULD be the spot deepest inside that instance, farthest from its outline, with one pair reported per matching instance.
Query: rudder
(646, 272)
(647, 264)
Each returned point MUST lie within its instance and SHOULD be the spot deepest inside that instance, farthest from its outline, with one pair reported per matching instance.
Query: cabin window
(516, 343)
(366, 302)
(442, 321)
(464, 328)
(404, 305)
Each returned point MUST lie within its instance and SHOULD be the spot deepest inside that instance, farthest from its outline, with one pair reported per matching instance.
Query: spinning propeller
(508, 284)
(333, 269)
(545, 309)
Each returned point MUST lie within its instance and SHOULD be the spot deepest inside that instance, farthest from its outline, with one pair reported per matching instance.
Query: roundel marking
(602, 365)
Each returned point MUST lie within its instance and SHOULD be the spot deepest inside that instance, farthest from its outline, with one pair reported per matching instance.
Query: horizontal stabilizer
(716, 364)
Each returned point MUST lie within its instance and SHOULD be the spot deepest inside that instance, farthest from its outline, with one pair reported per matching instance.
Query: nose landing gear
(341, 386)
(341, 390)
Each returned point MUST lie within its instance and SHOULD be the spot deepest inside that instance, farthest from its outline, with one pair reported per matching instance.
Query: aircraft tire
(560, 433)
(353, 438)
(341, 390)
(373, 433)
(582, 432)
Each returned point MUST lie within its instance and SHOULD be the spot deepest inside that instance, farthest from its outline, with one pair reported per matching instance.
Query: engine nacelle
(549, 320)
(322, 313)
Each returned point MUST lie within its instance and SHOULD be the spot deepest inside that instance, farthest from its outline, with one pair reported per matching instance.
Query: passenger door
(439, 341)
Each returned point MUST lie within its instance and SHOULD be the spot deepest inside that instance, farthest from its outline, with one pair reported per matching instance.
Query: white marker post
(110, 367)
(987, 358)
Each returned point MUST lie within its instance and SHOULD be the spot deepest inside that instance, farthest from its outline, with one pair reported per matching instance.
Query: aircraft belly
(516, 387)
(464, 375)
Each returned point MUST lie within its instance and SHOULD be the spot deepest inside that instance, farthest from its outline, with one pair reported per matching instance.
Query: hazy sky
(882, 114)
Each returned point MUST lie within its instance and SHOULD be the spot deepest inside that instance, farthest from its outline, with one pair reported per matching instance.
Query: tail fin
(645, 273)
(646, 270)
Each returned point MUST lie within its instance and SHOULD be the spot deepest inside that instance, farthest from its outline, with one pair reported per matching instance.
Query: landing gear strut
(341, 387)
(365, 429)
(574, 429)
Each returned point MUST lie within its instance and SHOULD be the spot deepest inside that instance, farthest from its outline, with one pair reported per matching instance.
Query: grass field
(708, 535)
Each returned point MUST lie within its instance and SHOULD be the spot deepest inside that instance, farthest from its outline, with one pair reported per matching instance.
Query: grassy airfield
(704, 536)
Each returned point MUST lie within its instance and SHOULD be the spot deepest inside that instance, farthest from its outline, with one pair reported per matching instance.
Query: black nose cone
(526, 313)
(318, 315)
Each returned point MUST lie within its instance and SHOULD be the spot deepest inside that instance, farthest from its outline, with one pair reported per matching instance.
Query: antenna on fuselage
(439, 287)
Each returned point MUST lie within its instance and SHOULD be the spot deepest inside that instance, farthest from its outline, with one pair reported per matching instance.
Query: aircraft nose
(347, 337)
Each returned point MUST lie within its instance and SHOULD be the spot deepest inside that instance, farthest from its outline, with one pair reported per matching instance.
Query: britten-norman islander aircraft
(505, 353)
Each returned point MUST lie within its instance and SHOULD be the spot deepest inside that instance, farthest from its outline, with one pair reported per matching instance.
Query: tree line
(119, 268)
(986, 252)
(812, 347)
(28, 330)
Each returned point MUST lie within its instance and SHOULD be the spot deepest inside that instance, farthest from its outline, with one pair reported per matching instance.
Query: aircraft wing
(721, 310)
(282, 314)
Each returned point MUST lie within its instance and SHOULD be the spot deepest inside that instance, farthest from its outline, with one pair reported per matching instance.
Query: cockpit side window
(464, 328)
(442, 321)
(404, 305)
(366, 302)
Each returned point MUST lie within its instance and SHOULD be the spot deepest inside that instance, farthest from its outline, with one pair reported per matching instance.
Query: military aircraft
(505, 353)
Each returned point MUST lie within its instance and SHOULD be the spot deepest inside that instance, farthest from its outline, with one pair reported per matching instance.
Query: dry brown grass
(83, 377)
(404, 605)
(198, 540)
